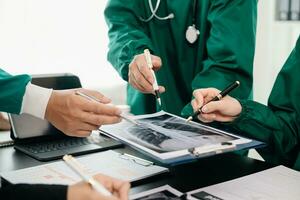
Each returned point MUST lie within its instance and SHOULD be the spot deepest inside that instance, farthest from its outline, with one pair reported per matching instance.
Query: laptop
(42, 141)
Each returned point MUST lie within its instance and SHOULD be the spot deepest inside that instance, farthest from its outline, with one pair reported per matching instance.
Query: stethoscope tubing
(154, 11)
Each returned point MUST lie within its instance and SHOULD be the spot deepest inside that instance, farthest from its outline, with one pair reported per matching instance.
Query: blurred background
(56, 36)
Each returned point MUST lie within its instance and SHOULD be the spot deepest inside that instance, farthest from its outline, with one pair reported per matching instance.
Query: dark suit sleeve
(26, 191)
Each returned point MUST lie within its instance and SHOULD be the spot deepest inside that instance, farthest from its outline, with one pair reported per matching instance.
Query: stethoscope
(192, 33)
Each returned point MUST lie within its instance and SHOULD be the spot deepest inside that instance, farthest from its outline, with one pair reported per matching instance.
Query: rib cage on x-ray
(167, 133)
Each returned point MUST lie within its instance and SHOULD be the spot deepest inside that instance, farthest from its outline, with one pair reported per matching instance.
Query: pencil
(155, 85)
(222, 94)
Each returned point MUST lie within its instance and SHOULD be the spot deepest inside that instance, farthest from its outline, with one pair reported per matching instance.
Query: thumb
(156, 62)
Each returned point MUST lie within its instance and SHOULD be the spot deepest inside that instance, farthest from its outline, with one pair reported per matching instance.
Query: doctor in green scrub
(194, 44)
(277, 124)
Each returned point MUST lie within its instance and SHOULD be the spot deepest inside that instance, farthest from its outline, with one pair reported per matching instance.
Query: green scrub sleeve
(278, 129)
(12, 89)
(126, 33)
(230, 48)
(278, 124)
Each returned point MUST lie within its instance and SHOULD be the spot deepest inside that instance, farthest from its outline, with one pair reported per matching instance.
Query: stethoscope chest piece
(192, 34)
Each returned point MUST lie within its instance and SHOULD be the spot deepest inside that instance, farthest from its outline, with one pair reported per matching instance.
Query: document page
(109, 163)
(165, 192)
(279, 183)
(5, 138)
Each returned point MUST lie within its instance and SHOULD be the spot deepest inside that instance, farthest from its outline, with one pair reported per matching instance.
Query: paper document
(109, 163)
(273, 184)
(166, 136)
(5, 139)
(165, 192)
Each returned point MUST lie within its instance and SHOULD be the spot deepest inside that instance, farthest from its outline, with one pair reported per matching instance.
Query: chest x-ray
(167, 136)
(166, 133)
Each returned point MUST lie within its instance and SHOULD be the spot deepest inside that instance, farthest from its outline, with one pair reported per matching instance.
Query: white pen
(150, 65)
(78, 169)
(91, 98)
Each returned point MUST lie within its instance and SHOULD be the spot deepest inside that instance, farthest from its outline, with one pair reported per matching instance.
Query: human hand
(225, 110)
(83, 191)
(4, 123)
(140, 76)
(77, 116)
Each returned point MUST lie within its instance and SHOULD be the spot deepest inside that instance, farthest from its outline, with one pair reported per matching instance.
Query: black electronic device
(42, 141)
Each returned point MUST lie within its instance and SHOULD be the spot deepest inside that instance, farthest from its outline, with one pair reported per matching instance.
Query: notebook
(5, 139)
(111, 163)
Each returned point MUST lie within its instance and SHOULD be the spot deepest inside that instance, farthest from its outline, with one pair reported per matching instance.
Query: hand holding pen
(94, 99)
(205, 98)
(150, 66)
(77, 116)
(94, 187)
(140, 75)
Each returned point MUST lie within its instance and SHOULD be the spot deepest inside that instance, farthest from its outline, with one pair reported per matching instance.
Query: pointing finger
(96, 95)
(102, 109)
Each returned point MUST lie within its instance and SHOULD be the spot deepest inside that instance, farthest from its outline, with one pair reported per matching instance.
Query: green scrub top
(12, 89)
(278, 124)
(223, 53)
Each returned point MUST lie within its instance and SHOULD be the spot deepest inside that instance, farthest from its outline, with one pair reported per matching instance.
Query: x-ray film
(166, 135)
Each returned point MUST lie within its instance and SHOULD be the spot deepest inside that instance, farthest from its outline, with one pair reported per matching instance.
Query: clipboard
(111, 163)
(196, 153)
(141, 138)
(225, 148)
(217, 149)
(136, 160)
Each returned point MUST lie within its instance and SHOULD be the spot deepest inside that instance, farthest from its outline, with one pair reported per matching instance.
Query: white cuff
(35, 100)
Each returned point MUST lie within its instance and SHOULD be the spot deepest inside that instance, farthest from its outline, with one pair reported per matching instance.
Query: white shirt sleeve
(35, 100)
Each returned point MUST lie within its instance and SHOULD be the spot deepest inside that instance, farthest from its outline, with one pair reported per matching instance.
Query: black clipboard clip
(212, 149)
(136, 160)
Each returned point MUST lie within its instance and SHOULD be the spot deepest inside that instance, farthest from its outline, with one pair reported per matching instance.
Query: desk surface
(185, 177)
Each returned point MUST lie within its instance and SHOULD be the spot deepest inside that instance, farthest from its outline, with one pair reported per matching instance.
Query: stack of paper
(273, 184)
(5, 139)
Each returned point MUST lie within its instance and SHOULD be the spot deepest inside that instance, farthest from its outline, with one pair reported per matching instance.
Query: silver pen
(150, 66)
(91, 98)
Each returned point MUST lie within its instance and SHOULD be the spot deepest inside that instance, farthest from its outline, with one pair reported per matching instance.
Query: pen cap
(125, 109)
(230, 88)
